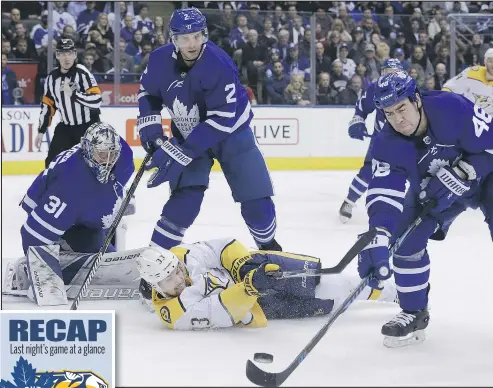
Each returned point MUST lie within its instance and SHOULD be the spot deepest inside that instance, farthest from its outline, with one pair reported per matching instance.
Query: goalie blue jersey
(206, 102)
(366, 105)
(457, 129)
(68, 194)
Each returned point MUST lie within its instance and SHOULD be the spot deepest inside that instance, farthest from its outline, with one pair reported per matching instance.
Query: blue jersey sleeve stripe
(29, 202)
(390, 192)
(142, 93)
(489, 151)
(241, 120)
(42, 222)
(36, 235)
(220, 113)
(387, 200)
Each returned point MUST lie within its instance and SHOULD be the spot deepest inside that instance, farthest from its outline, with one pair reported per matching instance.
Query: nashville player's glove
(257, 281)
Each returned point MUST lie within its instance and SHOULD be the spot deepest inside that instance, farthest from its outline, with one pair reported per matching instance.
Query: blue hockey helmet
(101, 148)
(394, 87)
(392, 63)
(187, 21)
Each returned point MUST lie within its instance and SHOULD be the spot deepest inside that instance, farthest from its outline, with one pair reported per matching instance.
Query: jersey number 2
(230, 97)
(55, 206)
(481, 120)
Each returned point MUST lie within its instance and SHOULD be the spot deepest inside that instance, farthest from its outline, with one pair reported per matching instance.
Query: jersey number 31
(481, 120)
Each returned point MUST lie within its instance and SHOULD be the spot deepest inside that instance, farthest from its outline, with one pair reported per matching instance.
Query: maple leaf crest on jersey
(184, 120)
(435, 165)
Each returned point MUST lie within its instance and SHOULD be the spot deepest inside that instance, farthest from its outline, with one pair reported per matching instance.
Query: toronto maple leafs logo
(25, 376)
(184, 120)
(435, 165)
(120, 193)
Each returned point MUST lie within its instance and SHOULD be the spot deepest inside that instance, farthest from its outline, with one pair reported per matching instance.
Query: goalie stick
(111, 232)
(272, 379)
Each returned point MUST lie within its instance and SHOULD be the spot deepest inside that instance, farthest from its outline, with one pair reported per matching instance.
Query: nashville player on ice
(220, 283)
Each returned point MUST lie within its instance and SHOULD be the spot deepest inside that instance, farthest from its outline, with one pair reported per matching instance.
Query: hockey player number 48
(481, 120)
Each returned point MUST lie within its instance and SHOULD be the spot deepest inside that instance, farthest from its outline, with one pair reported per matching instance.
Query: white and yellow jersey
(216, 295)
(473, 84)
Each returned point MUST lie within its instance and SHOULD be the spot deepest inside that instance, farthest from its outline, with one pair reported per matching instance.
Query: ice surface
(458, 351)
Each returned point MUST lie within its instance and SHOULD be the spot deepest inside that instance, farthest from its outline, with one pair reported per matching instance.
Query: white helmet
(488, 54)
(156, 264)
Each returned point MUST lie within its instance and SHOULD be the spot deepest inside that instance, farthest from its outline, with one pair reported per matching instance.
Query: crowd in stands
(269, 41)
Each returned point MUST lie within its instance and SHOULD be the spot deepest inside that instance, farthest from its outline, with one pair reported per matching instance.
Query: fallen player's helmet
(162, 269)
(101, 149)
(394, 87)
(187, 21)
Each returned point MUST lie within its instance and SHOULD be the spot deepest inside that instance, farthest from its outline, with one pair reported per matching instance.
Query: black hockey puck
(263, 357)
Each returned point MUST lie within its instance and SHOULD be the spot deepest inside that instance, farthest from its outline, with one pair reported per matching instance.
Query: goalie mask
(101, 149)
(163, 270)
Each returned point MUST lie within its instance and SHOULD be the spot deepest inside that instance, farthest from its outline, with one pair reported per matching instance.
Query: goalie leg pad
(45, 274)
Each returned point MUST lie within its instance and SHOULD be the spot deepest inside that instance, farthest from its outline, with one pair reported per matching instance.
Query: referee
(72, 90)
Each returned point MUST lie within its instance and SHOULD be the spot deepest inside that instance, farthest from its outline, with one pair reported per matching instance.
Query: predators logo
(78, 379)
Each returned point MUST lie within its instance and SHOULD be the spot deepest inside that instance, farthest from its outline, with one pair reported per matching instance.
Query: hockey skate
(272, 246)
(406, 328)
(346, 211)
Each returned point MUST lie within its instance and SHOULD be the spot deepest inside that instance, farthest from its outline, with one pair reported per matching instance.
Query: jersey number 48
(481, 120)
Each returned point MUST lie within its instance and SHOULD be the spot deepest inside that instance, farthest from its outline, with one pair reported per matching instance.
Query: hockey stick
(111, 232)
(270, 379)
(362, 242)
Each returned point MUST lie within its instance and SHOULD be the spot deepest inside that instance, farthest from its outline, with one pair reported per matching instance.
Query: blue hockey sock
(260, 217)
(411, 275)
(179, 212)
(359, 184)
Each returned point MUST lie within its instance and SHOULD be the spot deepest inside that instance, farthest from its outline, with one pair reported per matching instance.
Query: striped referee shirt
(80, 108)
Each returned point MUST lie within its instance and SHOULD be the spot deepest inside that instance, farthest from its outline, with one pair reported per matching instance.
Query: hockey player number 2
(55, 206)
(480, 120)
(230, 97)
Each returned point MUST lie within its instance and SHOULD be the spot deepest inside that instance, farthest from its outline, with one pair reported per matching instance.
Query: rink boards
(291, 138)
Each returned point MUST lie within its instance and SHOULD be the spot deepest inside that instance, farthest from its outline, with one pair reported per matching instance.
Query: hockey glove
(257, 282)
(357, 128)
(446, 186)
(169, 160)
(374, 259)
(150, 131)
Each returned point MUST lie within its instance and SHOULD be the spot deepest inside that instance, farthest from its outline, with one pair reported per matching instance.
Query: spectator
(477, 47)
(126, 61)
(348, 65)
(39, 33)
(366, 79)
(425, 43)
(142, 58)
(279, 18)
(353, 92)
(320, 36)
(413, 35)
(238, 35)
(434, 25)
(369, 26)
(273, 58)
(325, 94)
(441, 76)
(338, 25)
(389, 24)
(338, 80)
(133, 48)
(322, 62)
(348, 21)
(142, 22)
(8, 30)
(9, 83)
(401, 43)
(254, 57)
(382, 52)
(305, 44)
(127, 32)
(74, 8)
(371, 63)
(324, 19)
(335, 42)
(86, 19)
(296, 93)
(222, 28)
(7, 49)
(20, 33)
(429, 83)
(399, 54)
(89, 62)
(159, 27)
(294, 63)
(123, 11)
(291, 16)
(255, 21)
(62, 18)
(416, 72)
(103, 27)
(21, 50)
(283, 44)
(96, 38)
(296, 31)
(276, 85)
(160, 41)
(357, 51)
(101, 63)
(268, 38)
